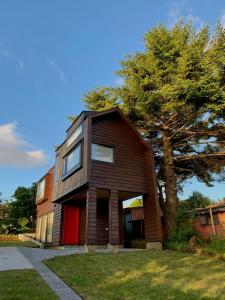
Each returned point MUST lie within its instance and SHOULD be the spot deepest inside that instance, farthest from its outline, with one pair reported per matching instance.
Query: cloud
(178, 10)
(57, 69)
(9, 55)
(14, 150)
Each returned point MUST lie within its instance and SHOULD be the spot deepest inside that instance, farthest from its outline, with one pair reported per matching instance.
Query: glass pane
(75, 135)
(41, 189)
(102, 153)
(73, 159)
(50, 227)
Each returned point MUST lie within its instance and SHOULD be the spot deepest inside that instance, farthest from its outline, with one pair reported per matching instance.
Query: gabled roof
(94, 114)
(121, 114)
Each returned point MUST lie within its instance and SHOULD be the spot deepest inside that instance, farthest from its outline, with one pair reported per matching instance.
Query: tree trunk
(170, 184)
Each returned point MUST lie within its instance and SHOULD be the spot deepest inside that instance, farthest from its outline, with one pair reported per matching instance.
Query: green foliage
(15, 216)
(136, 203)
(24, 204)
(174, 93)
(216, 245)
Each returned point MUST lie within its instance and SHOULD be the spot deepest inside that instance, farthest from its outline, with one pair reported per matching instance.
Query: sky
(53, 52)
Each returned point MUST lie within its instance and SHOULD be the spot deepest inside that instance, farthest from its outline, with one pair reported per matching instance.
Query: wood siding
(45, 205)
(78, 178)
(129, 170)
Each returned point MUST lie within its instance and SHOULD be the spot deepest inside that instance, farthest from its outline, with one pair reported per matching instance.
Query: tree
(174, 93)
(136, 203)
(23, 205)
(197, 200)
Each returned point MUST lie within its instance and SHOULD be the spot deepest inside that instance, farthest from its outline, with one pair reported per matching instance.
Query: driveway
(12, 259)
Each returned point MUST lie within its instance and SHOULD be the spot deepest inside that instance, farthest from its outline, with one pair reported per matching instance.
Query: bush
(216, 245)
(183, 231)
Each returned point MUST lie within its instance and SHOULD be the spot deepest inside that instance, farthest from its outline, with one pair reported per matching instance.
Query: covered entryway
(71, 225)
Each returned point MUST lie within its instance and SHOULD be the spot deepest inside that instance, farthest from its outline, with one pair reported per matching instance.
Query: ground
(17, 243)
(24, 285)
(142, 275)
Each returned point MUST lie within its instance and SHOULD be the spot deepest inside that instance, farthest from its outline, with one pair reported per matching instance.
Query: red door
(71, 225)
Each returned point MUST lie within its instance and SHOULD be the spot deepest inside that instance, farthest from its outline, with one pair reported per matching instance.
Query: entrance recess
(71, 225)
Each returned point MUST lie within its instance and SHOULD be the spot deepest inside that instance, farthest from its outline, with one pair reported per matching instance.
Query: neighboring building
(133, 224)
(102, 162)
(45, 208)
(211, 220)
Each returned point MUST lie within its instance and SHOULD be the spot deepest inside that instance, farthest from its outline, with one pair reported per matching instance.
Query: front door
(71, 225)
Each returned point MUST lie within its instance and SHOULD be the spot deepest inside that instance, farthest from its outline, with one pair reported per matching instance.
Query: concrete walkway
(14, 258)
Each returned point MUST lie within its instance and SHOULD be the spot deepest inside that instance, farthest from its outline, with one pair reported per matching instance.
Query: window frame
(38, 189)
(208, 219)
(106, 146)
(69, 137)
(66, 174)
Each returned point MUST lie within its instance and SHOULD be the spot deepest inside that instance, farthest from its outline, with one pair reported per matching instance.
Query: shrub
(216, 245)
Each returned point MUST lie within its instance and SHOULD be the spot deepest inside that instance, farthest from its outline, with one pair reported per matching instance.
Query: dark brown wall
(62, 188)
(128, 172)
(57, 233)
(82, 225)
(45, 205)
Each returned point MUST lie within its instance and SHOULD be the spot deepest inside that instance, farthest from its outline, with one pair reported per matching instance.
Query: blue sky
(52, 52)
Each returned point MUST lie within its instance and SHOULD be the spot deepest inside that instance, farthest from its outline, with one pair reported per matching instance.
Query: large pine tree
(174, 93)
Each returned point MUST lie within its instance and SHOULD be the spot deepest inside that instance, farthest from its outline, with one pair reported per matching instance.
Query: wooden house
(102, 162)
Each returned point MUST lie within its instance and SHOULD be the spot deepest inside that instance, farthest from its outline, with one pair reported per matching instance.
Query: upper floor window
(41, 189)
(102, 153)
(72, 161)
(77, 132)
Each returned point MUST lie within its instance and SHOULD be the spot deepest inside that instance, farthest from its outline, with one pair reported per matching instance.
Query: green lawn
(24, 285)
(16, 243)
(142, 275)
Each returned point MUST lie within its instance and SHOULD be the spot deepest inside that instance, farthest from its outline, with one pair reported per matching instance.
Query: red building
(102, 162)
(211, 220)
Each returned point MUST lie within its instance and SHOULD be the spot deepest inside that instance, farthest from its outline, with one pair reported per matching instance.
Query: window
(102, 153)
(206, 219)
(75, 135)
(72, 161)
(41, 189)
(56, 174)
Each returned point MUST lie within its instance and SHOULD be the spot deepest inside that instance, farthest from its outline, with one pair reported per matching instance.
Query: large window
(41, 189)
(206, 219)
(75, 135)
(72, 161)
(102, 153)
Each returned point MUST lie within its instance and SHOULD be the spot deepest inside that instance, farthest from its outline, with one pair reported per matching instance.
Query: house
(133, 224)
(102, 162)
(45, 208)
(211, 220)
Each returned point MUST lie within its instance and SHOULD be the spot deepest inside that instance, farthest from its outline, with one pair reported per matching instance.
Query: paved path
(13, 258)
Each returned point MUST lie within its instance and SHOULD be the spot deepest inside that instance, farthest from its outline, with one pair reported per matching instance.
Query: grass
(13, 241)
(24, 285)
(17, 243)
(142, 275)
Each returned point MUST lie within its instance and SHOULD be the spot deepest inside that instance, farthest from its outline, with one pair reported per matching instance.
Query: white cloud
(178, 10)
(14, 150)
(57, 69)
(9, 55)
